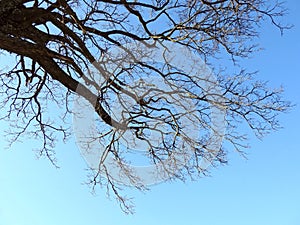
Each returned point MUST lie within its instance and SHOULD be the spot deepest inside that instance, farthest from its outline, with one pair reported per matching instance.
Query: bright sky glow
(263, 190)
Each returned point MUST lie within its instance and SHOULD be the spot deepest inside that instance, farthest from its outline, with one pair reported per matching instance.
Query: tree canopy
(67, 48)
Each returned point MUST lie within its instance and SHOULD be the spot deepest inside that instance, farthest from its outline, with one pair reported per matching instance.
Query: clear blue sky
(263, 190)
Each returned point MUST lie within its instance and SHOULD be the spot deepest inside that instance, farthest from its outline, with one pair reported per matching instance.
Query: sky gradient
(263, 190)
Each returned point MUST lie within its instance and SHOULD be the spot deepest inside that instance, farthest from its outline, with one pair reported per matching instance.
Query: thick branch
(41, 55)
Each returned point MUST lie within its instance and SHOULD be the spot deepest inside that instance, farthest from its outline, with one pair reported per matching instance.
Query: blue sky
(263, 190)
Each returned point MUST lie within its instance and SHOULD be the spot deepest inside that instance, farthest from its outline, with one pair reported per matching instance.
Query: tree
(59, 45)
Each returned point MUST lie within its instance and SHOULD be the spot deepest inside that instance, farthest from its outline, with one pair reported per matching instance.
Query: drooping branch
(66, 48)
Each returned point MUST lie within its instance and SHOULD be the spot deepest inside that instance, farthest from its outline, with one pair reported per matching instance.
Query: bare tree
(56, 43)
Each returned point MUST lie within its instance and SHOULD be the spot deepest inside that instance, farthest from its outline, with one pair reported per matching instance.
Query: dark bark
(54, 41)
